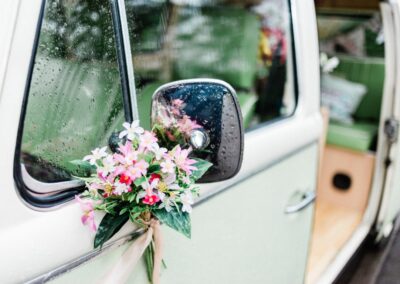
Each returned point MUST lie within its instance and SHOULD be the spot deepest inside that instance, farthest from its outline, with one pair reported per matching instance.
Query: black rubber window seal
(53, 200)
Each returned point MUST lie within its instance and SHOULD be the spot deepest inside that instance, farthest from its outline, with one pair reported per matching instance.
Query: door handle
(307, 199)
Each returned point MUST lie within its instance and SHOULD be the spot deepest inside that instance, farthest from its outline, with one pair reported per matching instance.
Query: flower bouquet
(144, 182)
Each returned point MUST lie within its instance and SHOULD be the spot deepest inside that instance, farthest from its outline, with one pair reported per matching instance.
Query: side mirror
(203, 114)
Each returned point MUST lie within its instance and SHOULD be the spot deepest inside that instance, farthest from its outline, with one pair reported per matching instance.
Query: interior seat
(362, 134)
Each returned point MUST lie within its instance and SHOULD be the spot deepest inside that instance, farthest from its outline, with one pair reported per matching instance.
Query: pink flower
(151, 199)
(170, 136)
(138, 169)
(177, 103)
(142, 165)
(147, 140)
(128, 156)
(182, 161)
(186, 125)
(87, 207)
(104, 177)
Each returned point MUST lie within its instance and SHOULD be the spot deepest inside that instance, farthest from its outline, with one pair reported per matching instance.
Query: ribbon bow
(121, 270)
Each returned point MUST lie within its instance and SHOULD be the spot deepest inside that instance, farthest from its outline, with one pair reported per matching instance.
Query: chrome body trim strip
(52, 274)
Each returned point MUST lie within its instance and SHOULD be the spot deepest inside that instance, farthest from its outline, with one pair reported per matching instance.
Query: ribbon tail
(121, 270)
(158, 251)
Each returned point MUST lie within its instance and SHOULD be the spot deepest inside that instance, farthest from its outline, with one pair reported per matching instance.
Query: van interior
(246, 43)
(352, 76)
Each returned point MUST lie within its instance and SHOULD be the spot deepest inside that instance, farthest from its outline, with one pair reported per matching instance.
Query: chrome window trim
(128, 57)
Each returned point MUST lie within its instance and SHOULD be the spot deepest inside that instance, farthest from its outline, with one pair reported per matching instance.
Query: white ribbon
(122, 269)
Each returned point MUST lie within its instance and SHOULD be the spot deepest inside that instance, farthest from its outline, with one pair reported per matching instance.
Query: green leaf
(148, 254)
(202, 167)
(154, 168)
(179, 221)
(125, 209)
(109, 226)
(139, 181)
(131, 197)
(147, 157)
(81, 168)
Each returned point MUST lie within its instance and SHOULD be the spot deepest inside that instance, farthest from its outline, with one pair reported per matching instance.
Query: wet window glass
(75, 98)
(245, 43)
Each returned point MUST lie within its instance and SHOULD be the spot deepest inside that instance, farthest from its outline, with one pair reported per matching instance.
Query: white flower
(131, 130)
(97, 154)
(187, 201)
(121, 188)
(141, 194)
(166, 202)
(148, 187)
(108, 165)
(167, 166)
(158, 152)
(170, 182)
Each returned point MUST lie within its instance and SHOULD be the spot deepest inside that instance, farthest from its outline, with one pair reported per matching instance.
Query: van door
(389, 125)
(255, 227)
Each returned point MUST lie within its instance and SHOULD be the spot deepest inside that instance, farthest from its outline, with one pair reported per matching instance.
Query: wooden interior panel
(333, 226)
(338, 212)
(358, 166)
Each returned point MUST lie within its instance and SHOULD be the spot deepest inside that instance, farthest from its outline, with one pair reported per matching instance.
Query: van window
(74, 100)
(245, 43)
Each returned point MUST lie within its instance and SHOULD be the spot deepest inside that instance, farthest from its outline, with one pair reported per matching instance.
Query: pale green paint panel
(239, 236)
(393, 205)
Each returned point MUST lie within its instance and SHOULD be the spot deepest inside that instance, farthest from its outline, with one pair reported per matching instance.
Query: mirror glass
(202, 114)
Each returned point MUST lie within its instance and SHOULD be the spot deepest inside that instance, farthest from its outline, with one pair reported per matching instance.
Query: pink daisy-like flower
(138, 169)
(147, 140)
(182, 161)
(87, 207)
(186, 125)
(127, 155)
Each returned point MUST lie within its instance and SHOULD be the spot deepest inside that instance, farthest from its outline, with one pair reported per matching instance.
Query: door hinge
(391, 129)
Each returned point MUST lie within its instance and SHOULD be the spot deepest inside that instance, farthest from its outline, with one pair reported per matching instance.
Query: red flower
(153, 177)
(151, 199)
(125, 179)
